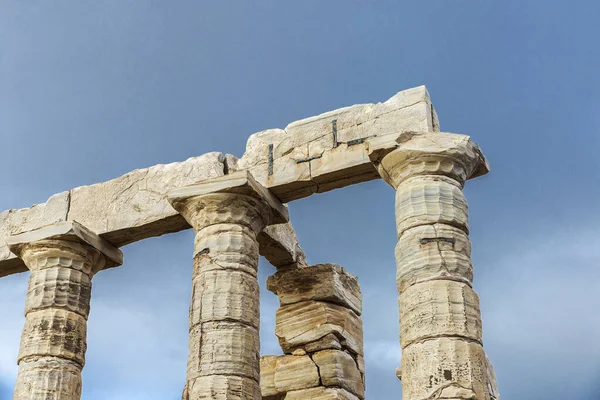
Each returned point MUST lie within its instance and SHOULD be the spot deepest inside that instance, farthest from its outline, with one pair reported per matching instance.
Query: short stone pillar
(440, 323)
(227, 214)
(62, 259)
(320, 331)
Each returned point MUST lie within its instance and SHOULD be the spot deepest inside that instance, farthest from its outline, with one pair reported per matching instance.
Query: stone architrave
(62, 259)
(440, 322)
(227, 214)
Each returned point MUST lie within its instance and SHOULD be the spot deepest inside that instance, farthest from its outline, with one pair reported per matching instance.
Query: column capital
(401, 156)
(68, 236)
(221, 194)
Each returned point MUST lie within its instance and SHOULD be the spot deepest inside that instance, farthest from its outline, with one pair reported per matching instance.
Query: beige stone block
(48, 378)
(223, 348)
(320, 393)
(305, 322)
(327, 342)
(268, 365)
(321, 282)
(54, 332)
(289, 178)
(428, 252)
(295, 372)
(58, 287)
(430, 367)
(25, 219)
(439, 308)
(429, 200)
(338, 369)
(226, 246)
(279, 245)
(342, 166)
(414, 118)
(225, 296)
(134, 205)
(223, 387)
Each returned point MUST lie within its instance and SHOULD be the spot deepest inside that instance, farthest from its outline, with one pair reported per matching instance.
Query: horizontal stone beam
(309, 156)
(134, 207)
(329, 151)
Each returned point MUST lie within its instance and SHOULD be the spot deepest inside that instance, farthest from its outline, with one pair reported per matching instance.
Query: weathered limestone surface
(308, 158)
(227, 214)
(62, 259)
(323, 282)
(440, 322)
(339, 369)
(439, 308)
(281, 374)
(134, 207)
(302, 323)
(318, 323)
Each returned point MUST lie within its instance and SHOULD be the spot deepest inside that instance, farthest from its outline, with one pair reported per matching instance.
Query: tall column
(227, 214)
(62, 259)
(440, 322)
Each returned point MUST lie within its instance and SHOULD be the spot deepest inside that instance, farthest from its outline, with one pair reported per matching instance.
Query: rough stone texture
(439, 308)
(227, 214)
(327, 342)
(223, 387)
(318, 326)
(307, 159)
(440, 322)
(320, 393)
(23, 220)
(282, 374)
(338, 369)
(62, 258)
(134, 207)
(323, 282)
(429, 200)
(48, 378)
(268, 364)
(125, 207)
(436, 251)
(400, 156)
(305, 322)
(441, 366)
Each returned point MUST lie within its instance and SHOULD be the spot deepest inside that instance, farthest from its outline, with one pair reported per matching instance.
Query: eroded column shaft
(53, 344)
(224, 344)
(440, 321)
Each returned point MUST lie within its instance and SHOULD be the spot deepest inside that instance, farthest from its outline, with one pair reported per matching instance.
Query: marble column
(62, 259)
(227, 214)
(440, 322)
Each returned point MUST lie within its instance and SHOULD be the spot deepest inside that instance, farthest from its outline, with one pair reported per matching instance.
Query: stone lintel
(69, 231)
(305, 161)
(240, 182)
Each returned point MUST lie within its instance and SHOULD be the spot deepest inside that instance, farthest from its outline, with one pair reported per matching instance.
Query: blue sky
(91, 90)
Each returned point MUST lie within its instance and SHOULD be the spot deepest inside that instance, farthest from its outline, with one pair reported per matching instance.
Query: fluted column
(62, 259)
(227, 214)
(440, 322)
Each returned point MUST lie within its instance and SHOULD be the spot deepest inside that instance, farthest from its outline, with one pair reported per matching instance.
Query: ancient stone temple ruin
(237, 209)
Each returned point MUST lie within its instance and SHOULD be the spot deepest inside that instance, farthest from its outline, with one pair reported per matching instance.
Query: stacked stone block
(320, 331)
